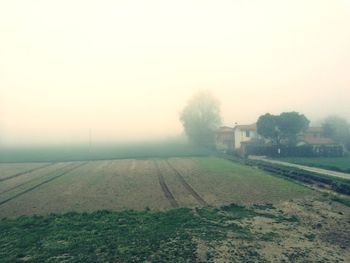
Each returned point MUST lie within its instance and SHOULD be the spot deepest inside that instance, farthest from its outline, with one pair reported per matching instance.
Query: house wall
(312, 135)
(241, 136)
(225, 141)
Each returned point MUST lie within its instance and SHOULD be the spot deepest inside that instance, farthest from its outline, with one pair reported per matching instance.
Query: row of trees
(201, 118)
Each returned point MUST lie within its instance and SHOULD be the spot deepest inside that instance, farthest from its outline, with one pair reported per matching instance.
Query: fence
(295, 151)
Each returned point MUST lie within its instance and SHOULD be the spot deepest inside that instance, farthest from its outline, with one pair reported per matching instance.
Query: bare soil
(290, 223)
(10, 169)
(320, 234)
(137, 184)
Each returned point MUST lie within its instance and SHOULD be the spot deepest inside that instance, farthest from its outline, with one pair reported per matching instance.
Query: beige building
(228, 138)
(314, 136)
(244, 133)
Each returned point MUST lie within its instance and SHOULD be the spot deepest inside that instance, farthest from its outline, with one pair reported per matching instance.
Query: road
(303, 167)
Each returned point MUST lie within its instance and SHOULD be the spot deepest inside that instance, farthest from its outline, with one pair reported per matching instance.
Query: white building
(231, 138)
(244, 133)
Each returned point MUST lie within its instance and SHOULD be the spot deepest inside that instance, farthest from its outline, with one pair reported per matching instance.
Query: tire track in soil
(133, 165)
(40, 184)
(26, 172)
(169, 196)
(189, 188)
(32, 180)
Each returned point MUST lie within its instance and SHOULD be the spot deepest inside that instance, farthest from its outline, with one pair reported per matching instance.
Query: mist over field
(76, 71)
(175, 131)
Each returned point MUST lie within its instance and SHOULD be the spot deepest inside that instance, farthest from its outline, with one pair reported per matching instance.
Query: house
(227, 138)
(244, 133)
(244, 139)
(313, 132)
(314, 136)
(321, 145)
(224, 138)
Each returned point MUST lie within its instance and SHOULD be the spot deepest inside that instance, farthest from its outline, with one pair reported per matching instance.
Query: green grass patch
(264, 206)
(218, 165)
(238, 211)
(251, 184)
(332, 179)
(342, 200)
(270, 236)
(341, 164)
(126, 236)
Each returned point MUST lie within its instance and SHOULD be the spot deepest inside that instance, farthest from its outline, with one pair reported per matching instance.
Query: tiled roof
(246, 127)
(318, 141)
(314, 129)
(224, 129)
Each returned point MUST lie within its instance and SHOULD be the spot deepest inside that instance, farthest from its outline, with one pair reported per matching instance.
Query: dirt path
(42, 183)
(189, 188)
(165, 188)
(303, 167)
(25, 172)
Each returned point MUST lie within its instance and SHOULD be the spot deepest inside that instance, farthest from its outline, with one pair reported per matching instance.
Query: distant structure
(231, 139)
(225, 138)
(245, 133)
(314, 137)
(244, 139)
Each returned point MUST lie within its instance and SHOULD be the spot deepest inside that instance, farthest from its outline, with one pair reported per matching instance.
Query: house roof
(318, 141)
(314, 129)
(224, 129)
(246, 127)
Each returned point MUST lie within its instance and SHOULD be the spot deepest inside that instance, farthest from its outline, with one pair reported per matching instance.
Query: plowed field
(43, 188)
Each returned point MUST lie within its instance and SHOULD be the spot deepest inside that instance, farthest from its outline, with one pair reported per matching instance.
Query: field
(341, 164)
(198, 209)
(136, 184)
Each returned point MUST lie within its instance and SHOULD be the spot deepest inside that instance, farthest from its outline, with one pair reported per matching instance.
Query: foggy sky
(125, 69)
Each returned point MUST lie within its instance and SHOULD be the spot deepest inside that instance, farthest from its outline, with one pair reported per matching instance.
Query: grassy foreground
(128, 236)
(303, 230)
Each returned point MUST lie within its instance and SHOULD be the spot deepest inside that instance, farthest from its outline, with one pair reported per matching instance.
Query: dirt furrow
(189, 188)
(165, 188)
(25, 172)
(40, 184)
(32, 180)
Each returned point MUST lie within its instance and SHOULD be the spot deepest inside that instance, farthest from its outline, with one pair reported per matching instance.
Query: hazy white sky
(125, 69)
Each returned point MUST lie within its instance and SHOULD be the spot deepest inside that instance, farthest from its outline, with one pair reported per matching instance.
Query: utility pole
(90, 142)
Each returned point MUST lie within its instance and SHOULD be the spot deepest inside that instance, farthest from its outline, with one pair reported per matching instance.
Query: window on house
(247, 133)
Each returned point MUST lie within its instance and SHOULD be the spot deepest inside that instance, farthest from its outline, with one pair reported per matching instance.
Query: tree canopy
(338, 129)
(200, 119)
(284, 127)
(267, 126)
